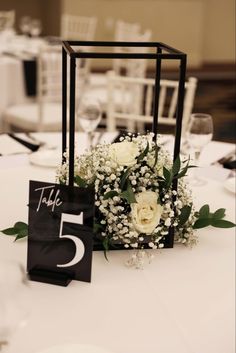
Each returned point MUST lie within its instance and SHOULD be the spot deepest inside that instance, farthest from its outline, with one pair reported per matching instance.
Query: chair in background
(127, 67)
(78, 27)
(139, 109)
(125, 32)
(44, 114)
(130, 32)
(7, 20)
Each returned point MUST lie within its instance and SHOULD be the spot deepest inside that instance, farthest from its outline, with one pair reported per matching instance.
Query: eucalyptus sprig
(19, 230)
(206, 218)
(176, 172)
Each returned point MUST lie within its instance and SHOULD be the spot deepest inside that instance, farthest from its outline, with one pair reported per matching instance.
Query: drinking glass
(14, 300)
(35, 28)
(199, 134)
(89, 114)
(25, 25)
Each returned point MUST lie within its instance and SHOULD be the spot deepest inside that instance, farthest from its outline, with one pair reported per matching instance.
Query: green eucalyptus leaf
(202, 223)
(222, 223)
(9, 231)
(204, 211)
(166, 174)
(183, 172)
(97, 227)
(124, 178)
(22, 234)
(176, 166)
(128, 194)
(105, 244)
(20, 225)
(184, 215)
(80, 181)
(156, 150)
(110, 194)
(219, 214)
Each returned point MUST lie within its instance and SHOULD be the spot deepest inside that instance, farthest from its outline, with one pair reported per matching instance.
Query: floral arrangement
(135, 201)
(134, 198)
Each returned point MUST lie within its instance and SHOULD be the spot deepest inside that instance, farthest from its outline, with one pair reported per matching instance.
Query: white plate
(230, 185)
(46, 158)
(75, 348)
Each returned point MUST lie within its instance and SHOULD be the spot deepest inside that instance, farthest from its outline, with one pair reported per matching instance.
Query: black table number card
(60, 241)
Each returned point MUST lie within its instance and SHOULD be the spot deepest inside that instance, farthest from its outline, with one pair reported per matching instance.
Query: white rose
(124, 153)
(146, 213)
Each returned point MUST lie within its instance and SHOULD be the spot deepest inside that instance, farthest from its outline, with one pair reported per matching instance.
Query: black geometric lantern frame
(162, 52)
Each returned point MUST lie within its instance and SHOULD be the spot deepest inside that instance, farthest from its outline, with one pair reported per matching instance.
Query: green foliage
(80, 181)
(19, 230)
(220, 213)
(127, 191)
(175, 172)
(156, 150)
(128, 194)
(105, 244)
(124, 178)
(110, 194)
(222, 223)
(184, 214)
(97, 227)
(204, 211)
(176, 166)
(202, 223)
(205, 218)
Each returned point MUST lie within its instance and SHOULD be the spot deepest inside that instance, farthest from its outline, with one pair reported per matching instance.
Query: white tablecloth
(183, 302)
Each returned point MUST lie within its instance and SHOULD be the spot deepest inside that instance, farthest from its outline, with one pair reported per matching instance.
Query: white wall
(204, 29)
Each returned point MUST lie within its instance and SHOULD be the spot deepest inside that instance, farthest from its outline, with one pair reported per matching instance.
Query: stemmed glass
(35, 28)
(14, 300)
(199, 134)
(25, 25)
(89, 114)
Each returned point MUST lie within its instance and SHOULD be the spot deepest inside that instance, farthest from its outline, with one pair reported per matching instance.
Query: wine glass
(35, 28)
(14, 292)
(199, 134)
(25, 25)
(89, 114)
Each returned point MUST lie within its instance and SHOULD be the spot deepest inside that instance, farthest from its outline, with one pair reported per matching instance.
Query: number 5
(79, 245)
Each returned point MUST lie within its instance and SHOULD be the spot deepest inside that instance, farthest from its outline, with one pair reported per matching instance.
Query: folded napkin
(30, 145)
(10, 144)
(228, 161)
(29, 67)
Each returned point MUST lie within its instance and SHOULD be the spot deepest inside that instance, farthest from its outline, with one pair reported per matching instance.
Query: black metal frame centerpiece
(162, 52)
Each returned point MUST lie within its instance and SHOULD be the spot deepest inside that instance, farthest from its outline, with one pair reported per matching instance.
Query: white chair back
(49, 71)
(49, 74)
(7, 20)
(130, 32)
(78, 27)
(45, 113)
(124, 31)
(138, 68)
(141, 109)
